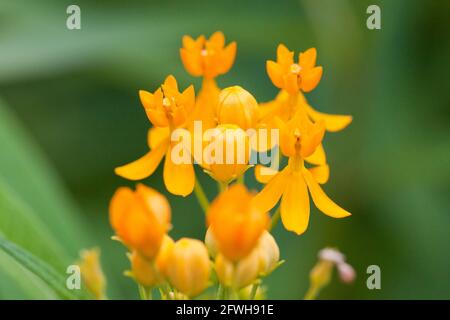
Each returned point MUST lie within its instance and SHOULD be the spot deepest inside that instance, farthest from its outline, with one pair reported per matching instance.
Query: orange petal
(144, 166)
(321, 200)
(290, 83)
(311, 78)
(318, 157)
(170, 86)
(217, 39)
(178, 178)
(227, 58)
(264, 174)
(156, 136)
(295, 204)
(119, 204)
(192, 62)
(320, 173)
(275, 73)
(157, 117)
(284, 56)
(333, 122)
(307, 59)
(188, 42)
(268, 197)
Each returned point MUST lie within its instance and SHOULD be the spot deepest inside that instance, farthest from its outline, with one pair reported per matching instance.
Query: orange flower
(236, 223)
(140, 218)
(298, 139)
(291, 76)
(237, 106)
(207, 58)
(167, 109)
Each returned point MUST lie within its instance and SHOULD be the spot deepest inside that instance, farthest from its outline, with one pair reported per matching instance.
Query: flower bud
(346, 272)
(240, 274)
(269, 253)
(211, 243)
(188, 267)
(140, 218)
(236, 223)
(237, 106)
(91, 272)
(320, 275)
(227, 153)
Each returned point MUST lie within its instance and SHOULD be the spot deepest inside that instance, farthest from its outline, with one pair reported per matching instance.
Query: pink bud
(346, 272)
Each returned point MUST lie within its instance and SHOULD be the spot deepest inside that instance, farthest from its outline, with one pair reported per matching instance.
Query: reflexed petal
(320, 173)
(307, 59)
(147, 99)
(268, 197)
(311, 78)
(156, 136)
(264, 174)
(333, 122)
(321, 200)
(275, 73)
(178, 178)
(144, 166)
(318, 157)
(295, 204)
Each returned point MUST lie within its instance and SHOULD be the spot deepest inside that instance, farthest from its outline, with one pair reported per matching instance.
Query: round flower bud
(269, 253)
(240, 274)
(188, 267)
(237, 106)
(140, 218)
(236, 223)
(211, 243)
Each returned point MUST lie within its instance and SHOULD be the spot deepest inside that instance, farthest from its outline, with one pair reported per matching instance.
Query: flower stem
(312, 293)
(145, 293)
(254, 290)
(241, 179)
(222, 186)
(220, 292)
(201, 196)
(275, 219)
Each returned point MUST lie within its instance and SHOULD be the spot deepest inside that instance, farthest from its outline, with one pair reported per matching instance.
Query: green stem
(275, 219)
(220, 292)
(145, 293)
(222, 186)
(312, 293)
(254, 290)
(241, 179)
(201, 196)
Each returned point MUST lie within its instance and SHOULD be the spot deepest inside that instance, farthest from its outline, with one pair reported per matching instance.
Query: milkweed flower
(291, 76)
(91, 272)
(236, 223)
(140, 218)
(188, 267)
(207, 58)
(237, 106)
(299, 138)
(167, 109)
(269, 253)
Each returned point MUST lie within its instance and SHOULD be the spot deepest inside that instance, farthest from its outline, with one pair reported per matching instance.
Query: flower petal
(307, 59)
(333, 122)
(144, 166)
(320, 173)
(318, 157)
(284, 56)
(275, 73)
(156, 135)
(178, 178)
(311, 78)
(227, 58)
(321, 200)
(264, 174)
(191, 62)
(268, 197)
(295, 204)
(290, 83)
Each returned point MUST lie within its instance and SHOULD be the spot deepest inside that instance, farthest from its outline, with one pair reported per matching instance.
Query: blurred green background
(70, 113)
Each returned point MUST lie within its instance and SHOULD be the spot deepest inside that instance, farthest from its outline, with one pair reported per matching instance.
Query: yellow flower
(227, 153)
(167, 109)
(291, 76)
(269, 253)
(151, 272)
(236, 222)
(92, 273)
(207, 58)
(188, 267)
(237, 106)
(237, 274)
(298, 139)
(140, 218)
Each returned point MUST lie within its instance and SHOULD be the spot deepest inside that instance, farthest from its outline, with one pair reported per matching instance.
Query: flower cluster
(238, 250)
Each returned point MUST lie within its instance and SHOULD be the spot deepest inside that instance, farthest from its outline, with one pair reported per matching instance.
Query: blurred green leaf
(54, 280)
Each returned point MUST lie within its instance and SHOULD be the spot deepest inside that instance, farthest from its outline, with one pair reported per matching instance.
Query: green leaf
(54, 280)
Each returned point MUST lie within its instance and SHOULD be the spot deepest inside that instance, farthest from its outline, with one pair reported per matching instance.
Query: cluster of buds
(239, 248)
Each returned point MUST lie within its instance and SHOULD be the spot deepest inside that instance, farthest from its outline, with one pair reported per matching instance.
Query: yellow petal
(284, 56)
(333, 122)
(318, 157)
(311, 78)
(307, 59)
(295, 204)
(320, 173)
(290, 81)
(144, 166)
(156, 136)
(178, 178)
(268, 197)
(264, 174)
(321, 200)
(217, 39)
(191, 62)
(227, 58)
(275, 73)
